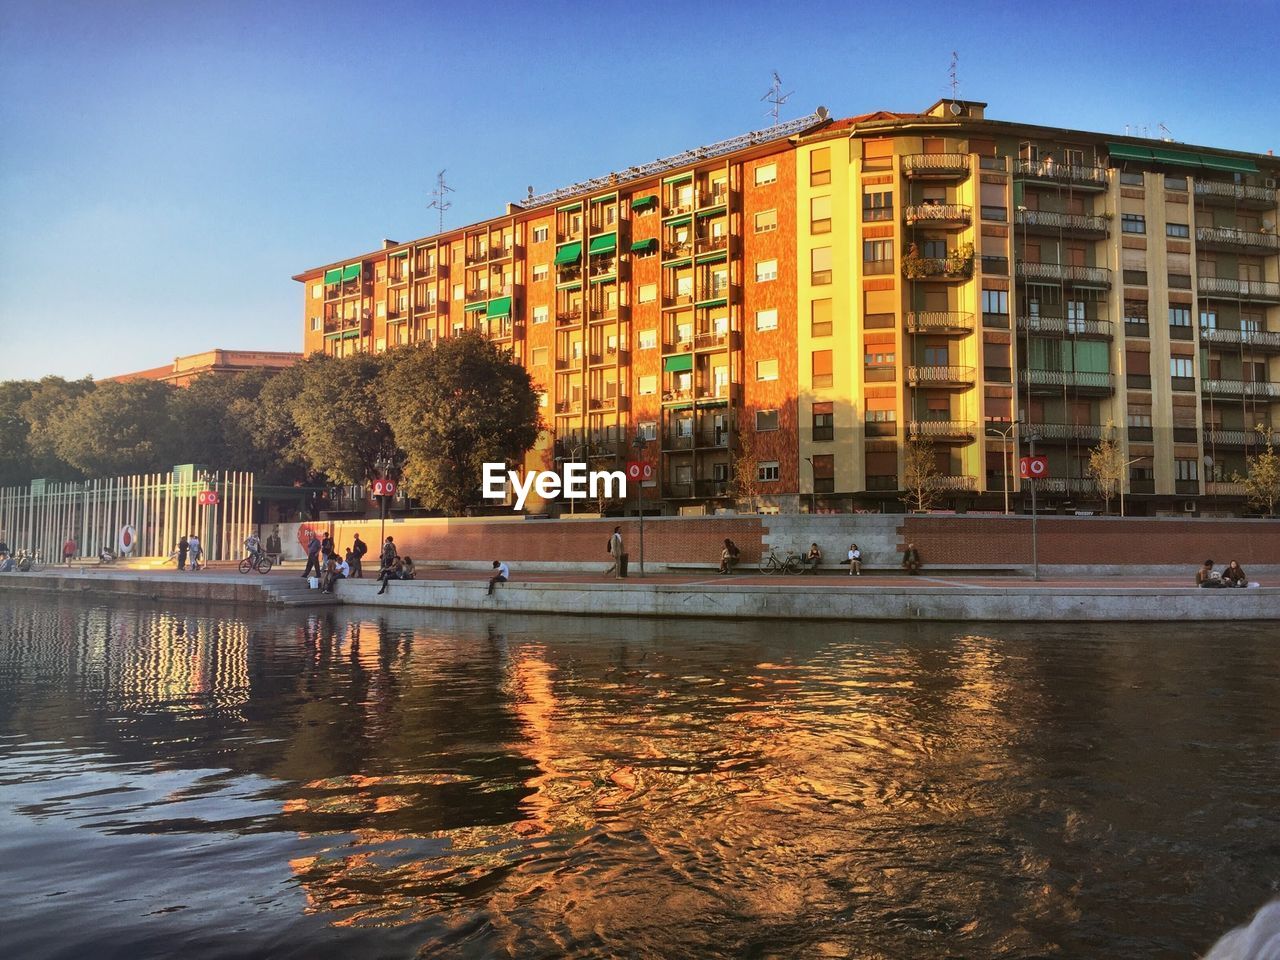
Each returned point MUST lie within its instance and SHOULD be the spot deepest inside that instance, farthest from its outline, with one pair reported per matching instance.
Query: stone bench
(963, 569)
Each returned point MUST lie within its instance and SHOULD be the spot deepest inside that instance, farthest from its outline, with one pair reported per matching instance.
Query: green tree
(1262, 481)
(340, 420)
(49, 400)
(279, 451)
(454, 407)
(15, 454)
(118, 428)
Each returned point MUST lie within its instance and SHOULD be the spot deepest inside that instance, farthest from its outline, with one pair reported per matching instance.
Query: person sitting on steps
(728, 556)
(855, 560)
(1234, 575)
(911, 560)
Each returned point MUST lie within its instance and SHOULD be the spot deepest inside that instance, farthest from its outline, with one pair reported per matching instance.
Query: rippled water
(203, 782)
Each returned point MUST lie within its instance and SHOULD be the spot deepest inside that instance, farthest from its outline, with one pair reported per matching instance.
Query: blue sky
(166, 167)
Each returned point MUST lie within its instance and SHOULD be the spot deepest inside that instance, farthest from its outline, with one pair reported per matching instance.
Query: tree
(1262, 482)
(920, 475)
(746, 471)
(48, 400)
(1106, 464)
(279, 450)
(452, 408)
(118, 428)
(340, 421)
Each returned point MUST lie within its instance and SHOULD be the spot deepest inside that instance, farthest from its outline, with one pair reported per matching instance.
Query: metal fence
(158, 509)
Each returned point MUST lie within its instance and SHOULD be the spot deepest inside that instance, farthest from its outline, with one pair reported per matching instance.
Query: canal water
(227, 782)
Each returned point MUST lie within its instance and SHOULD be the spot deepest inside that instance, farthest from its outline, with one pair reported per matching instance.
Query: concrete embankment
(832, 598)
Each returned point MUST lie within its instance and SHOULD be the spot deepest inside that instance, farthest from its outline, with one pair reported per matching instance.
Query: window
(315, 324)
(767, 471)
(647, 386)
(766, 220)
(824, 473)
(877, 256)
(995, 302)
(766, 319)
(1180, 367)
(766, 173)
(766, 270)
(820, 167)
(820, 215)
(1208, 320)
(539, 356)
(1179, 316)
(541, 314)
(539, 234)
(1131, 179)
(457, 291)
(821, 318)
(1133, 223)
(1075, 316)
(820, 261)
(317, 291)
(766, 369)
(540, 271)
(822, 376)
(648, 292)
(877, 206)
(823, 421)
(648, 429)
(766, 420)
(648, 339)
(1187, 469)
(1175, 183)
(1177, 230)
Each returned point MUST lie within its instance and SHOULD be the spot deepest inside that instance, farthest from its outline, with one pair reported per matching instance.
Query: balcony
(1053, 381)
(957, 265)
(955, 431)
(935, 166)
(568, 407)
(712, 341)
(939, 321)
(1253, 389)
(939, 375)
(1068, 485)
(711, 488)
(677, 491)
(474, 257)
(1065, 432)
(676, 441)
(1220, 437)
(1224, 488)
(1259, 340)
(953, 484)
(1064, 273)
(1069, 224)
(568, 318)
(1233, 239)
(1050, 171)
(1067, 325)
(677, 251)
(943, 214)
(1235, 194)
(711, 244)
(610, 403)
(1256, 290)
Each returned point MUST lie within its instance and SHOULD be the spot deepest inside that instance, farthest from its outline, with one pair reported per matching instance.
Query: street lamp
(638, 444)
(813, 493)
(1005, 464)
(573, 458)
(1124, 479)
(1032, 437)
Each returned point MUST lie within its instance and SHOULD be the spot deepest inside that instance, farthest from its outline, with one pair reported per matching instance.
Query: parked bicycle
(257, 561)
(775, 564)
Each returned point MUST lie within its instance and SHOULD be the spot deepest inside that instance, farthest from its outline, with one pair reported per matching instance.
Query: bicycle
(256, 561)
(772, 564)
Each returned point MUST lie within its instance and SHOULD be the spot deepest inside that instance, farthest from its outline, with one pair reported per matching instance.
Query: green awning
(569, 253)
(678, 264)
(499, 307)
(474, 307)
(687, 405)
(679, 178)
(680, 221)
(679, 363)
(333, 276)
(645, 246)
(571, 285)
(712, 212)
(603, 244)
(351, 272)
(569, 208)
(709, 304)
(1123, 151)
(343, 335)
(604, 278)
(1228, 163)
(1160, 155)
(644, 203)
(717, 257)
(399, 253)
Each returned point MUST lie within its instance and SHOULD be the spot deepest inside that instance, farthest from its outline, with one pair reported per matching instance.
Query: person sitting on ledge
(911, 560)
(501, 574)
(390, 571)
(1234, 575)
(728, 556)
(406, 569)
(1205, 577)
(813, 559)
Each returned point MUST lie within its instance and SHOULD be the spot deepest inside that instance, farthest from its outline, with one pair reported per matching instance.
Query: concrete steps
(292, 591)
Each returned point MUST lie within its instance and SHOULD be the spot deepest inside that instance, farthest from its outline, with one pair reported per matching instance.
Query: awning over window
(708, 304)
(569, 207)
(1160, 155)
(343, 335)
(569, 253)
(1228, 163)
(679, 363)
(644, 203)
(679, 178)
(645, 246)
(1124, 151)
(479, 305)
(604, 244)
(333, 276)
(679, 221)
(351, 272)
(499, 307)
(712, 212)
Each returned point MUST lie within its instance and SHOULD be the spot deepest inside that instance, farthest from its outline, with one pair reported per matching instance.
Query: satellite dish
(956, 109)
(822, 113)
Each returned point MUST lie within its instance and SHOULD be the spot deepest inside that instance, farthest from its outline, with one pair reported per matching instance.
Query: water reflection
(295, 784)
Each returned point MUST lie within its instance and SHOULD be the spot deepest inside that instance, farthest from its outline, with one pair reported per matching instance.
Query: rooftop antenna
(775, 96)
(1166, 133)
(954, 78)
(441, 203)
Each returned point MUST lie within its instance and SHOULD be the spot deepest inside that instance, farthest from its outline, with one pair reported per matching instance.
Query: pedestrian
(326, 545)
(389, 551)
(358, 549)
(197, 553)
(855, 560)
(615, 551)
(911, 560)
(183, 548)
(344, 567)
(501, 574)
(313, 558)
(273, 545)
(69, 549)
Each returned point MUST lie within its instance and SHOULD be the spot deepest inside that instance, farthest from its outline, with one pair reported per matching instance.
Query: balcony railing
(939, 374)
(711, 488)
(1262, 339)
(938, 213)
(1265, 196)
(1071, 325)
(1262, 389)
(1050, 432)
(942, 429)
(1079, 380)
(1066, 222)
(1237, 239)
(1055, 172)
(1224, 488)
(1064, 273)
(939, 321)
(926, 165)
(1240, 289)
(937, 268)
(677, 251)
(1065, 485)
(708, 341)
(1239, 438)
(953, 484)
(565, 318)
(712, 244)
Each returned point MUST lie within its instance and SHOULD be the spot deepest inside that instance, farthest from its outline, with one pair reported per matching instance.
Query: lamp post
(1124, 479)
(573, 458)
(1208, 478)
(813, 492)
(1005, 464)
(383, 465)
(1035, 542)
(638, 444)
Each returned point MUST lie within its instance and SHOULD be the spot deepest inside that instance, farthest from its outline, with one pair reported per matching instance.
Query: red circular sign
(384, 488)
(647, 471)
(207, 498)
(1034, 468)
(634, 470)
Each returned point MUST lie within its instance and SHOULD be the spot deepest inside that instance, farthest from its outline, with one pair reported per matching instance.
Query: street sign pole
(1035, 544)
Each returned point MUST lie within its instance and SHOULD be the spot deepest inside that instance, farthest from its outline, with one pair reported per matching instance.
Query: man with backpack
(358, 549)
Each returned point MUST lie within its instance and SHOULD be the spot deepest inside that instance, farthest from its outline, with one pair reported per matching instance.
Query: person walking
(183, 548)
(313, 559)
(615, 551)
(197, 552)
(69, 549)
(358, 549)
(501, 574)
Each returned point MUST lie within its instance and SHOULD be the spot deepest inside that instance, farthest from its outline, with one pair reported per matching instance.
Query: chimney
(388, 244)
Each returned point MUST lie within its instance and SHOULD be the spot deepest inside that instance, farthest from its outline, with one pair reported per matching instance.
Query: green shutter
(569, 253)
(644, 203)
(645, 246)
(1228, 163)
(479, 305)
(333, 276)
(605, 244)
(1092, 356)
(351, 272)
(679, 363)
(1124, 151)
(499, 307)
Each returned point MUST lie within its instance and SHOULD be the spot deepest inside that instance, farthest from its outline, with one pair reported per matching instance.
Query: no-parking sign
(1033, 468)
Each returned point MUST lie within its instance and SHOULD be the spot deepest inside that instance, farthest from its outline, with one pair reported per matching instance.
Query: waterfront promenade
(749, 595)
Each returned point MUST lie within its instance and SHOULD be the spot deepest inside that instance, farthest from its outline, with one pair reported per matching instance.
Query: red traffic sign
(207, 498)
(1033, 468)
(384, 487)
(636, 470)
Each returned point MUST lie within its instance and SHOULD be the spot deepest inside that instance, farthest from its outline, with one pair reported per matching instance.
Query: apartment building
(778, 315)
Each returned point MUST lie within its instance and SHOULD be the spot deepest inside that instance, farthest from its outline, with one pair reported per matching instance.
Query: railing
(1067, 485)
(1240, 438)
(474, 295)
(677, 441)
(704, 341)
(711, 488)
(1241, 388)
(677, 491)
(1064, 273)
(1060, 172)
(937, 268)
(953, 484)
(939, 321)
(939, 373)
(711, 244)
(1235, 191)
(1224, 488)
(1060, 221)
(1235, 237)
(707, 198)
(1240, 289)
(942, 429)
(1086, 327)
(677, 251)
(1065, 431)
(476, 256)
(567, 317)
(676, 209)
(1253, 338)
(935, 164)
(566, 406)
(937, 213)
(1068, 378)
